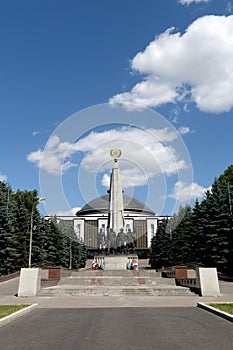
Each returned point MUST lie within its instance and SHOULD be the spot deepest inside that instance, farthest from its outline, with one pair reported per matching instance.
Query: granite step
(116, 280)
(124, 273)
(160, 290)
(107, 282)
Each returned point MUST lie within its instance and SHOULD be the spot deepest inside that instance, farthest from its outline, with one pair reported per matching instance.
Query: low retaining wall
(9, 277)
(203, 280)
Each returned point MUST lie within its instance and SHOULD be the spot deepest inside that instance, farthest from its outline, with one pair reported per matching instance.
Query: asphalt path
(118, 328)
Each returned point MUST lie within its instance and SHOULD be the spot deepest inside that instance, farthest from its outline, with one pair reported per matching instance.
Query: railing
(184, 277)
(190, 283)
(168, 273)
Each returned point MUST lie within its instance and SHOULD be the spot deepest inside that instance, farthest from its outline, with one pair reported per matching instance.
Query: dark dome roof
(100, 205)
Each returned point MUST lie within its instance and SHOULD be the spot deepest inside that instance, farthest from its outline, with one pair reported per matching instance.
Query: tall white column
(116, 207)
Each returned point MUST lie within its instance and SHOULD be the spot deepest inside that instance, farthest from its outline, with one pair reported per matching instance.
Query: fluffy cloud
(105, 181)
(70, 212)
(55, 158)
(184, 192)
(146, 153)
(196, 66)
(188, 2)
(3, 178)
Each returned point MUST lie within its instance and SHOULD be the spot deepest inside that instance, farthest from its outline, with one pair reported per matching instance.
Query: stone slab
(191, 273)
(207, 280)
(115, 262)
(29, 282)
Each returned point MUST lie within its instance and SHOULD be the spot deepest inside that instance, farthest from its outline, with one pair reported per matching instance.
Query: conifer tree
(22, 227)
(161, 247)
(7, 231)
(183, 237)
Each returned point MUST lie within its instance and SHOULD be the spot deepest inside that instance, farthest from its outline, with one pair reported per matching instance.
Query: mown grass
(6, 310)
(224, 307)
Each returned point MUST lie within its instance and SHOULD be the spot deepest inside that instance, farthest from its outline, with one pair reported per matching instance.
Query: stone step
(125, 273)
(117, 283)
(116, 280)
(141, 291)
(159, 290)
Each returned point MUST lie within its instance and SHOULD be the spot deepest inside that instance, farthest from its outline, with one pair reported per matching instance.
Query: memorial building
(115, 221)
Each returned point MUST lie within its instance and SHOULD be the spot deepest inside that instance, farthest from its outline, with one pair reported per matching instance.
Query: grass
(6, 310)
(224, 307)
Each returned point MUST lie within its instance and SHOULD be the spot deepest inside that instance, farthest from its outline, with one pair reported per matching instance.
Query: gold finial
(115, 153)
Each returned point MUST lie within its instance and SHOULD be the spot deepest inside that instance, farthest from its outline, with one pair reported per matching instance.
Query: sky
(79, 78)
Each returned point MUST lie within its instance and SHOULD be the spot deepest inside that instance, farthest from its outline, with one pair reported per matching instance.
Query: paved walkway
(9, 289)
(118, 328)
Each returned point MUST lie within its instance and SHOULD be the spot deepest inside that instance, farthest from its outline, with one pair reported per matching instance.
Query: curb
(217, 312)
(17, 314)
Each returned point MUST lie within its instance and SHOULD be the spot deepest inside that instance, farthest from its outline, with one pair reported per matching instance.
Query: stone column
(116, 207)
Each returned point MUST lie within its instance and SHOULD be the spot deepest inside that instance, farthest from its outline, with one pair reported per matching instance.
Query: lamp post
(70, 267)
(31, 229)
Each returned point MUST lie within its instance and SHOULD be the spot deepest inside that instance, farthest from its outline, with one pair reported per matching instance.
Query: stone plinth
(29, 282)
(116, 262)
(207, 280)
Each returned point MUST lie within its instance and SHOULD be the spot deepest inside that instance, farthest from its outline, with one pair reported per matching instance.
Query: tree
(19, 217)
(52, 244)
(200, 222)
(161, 247)
(25, 214)
(219, 226)
(74, 251)
(182, 237)
(7, 230)
(22, 226)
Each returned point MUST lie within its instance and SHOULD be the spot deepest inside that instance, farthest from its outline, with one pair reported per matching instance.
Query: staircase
(115, 283)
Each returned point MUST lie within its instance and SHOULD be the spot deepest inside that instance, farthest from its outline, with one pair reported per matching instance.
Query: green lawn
(6, 310)
(224, 307)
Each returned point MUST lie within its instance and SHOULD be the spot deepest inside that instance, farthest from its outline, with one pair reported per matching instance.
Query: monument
(100, 220)
(115, 224)
(116, 242)
(116, 239)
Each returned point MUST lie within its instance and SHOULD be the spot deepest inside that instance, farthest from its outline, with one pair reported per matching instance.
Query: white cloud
(36, 132)
(55, 158)
(196, 66)
(3, 178)
(184, 130)
(146, 153)
(184, 192)
(188, 2)
(70, 212)
(105, 180)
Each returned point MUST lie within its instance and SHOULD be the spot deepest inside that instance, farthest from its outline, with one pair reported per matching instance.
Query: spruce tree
(218, 226)
(7, 231)
(161, 247)
(22, 227)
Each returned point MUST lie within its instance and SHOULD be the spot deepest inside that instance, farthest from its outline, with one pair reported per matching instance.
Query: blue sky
(105, 63)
